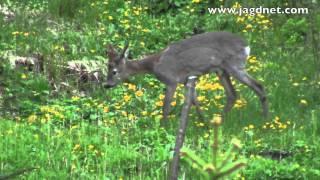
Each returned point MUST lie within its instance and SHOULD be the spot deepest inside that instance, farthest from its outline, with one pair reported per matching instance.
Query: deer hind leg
(231, 94)
(196, 103)
(170, 89)
(245, 78)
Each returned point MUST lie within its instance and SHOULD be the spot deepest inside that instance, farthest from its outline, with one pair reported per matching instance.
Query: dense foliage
(67, 127)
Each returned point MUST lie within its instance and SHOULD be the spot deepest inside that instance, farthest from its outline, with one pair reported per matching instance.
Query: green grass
(116, 134)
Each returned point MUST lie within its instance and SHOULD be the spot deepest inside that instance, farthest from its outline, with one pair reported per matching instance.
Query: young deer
(220, 52)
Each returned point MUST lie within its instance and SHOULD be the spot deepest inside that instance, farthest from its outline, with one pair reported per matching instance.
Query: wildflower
(110, 18)
(249, 26)
(127, 98)
(75, 98)
(236, 5)
(91, 147)
(174, 103)
(145, 30)
(139, 93)
(76, 147)
(282, 126)
(23, 76)
(136, 12)
(132, 87)
(159, 103)
(201, 98)
(217, 120)
(251, 126)
(303, 102)
(196, 1)
(240, 103)
(217, 97)
(15, 33)
(206, 135)
(161, 96)
(32, 118)
(240, 19)
(105, 109)
(144, 113)
(124, 113)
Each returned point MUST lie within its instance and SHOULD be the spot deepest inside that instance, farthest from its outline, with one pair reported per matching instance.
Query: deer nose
(107, 85)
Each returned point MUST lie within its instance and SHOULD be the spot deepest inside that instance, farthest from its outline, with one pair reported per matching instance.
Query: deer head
(116, 66)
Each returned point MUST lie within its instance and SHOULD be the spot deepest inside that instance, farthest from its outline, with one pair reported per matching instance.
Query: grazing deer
(220, 52)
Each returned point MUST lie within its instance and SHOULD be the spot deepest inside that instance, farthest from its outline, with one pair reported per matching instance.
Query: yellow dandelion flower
(32, 118)
(145, 30)
(91, 147)
(161, 96)
(236, 5)
(144, 113)
(217, 120)
(159, 103)
(303, 102)
(196, 1)
(127, 98)
(23, 76)
(206, 135)
(132, 87)
(136, 12)
(76, 147)
(201, 98)
(249, 26)
(110, 18)
(75, 98)
(139, 93)
(240, 19)
(15, 33)
(174, 103)
(105, 109)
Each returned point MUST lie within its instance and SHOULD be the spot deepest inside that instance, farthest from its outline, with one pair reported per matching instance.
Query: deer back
(201, 54)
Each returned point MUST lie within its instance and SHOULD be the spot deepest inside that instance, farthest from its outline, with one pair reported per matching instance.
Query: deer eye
(114, 71)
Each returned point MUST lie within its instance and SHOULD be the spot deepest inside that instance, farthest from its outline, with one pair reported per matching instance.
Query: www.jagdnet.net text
(258, 10)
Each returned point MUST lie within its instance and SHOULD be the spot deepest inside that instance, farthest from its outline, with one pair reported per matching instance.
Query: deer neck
(145, 65)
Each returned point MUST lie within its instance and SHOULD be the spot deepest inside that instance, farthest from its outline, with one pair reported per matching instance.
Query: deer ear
(111, 52)
(125, 52)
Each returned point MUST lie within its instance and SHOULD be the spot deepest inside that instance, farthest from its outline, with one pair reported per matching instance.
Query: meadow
(55, 125)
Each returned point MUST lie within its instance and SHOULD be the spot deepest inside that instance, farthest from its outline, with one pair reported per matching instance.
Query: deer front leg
(170, 89)
(190, 88)
(229, 91)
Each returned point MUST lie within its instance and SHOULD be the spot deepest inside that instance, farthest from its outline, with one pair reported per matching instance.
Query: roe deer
(220, 52)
